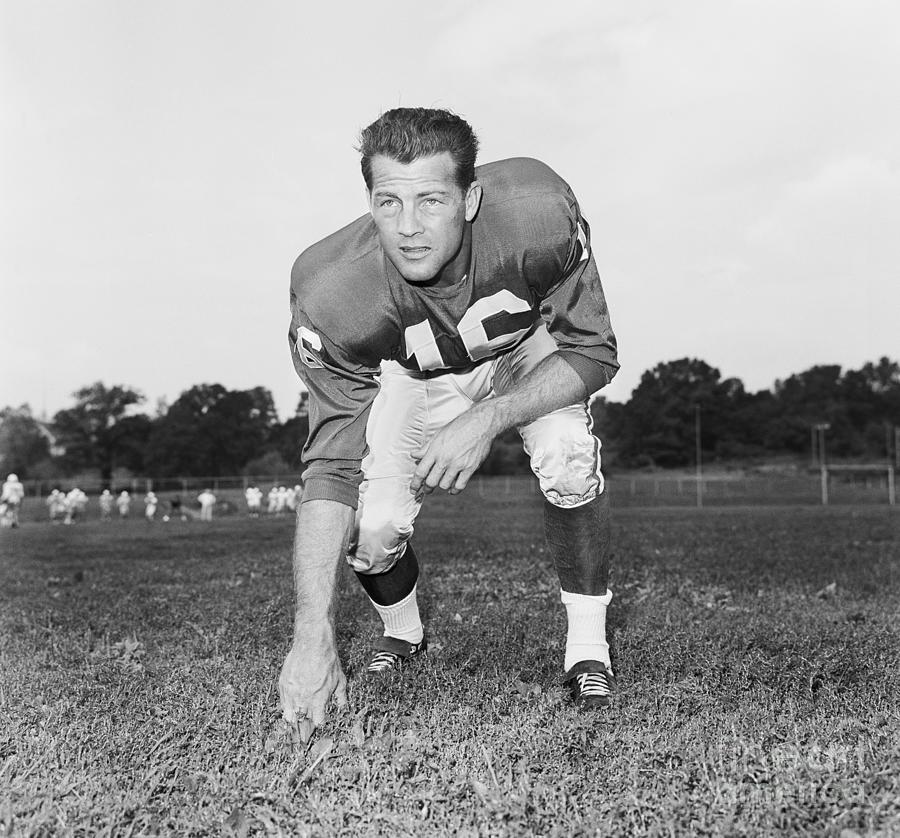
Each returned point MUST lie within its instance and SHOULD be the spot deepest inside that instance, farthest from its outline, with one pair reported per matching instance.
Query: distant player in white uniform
(253, 496)
(207, 502)
(106, 505)
(123, 503)
(56, 506)
(76, 501)
(150, 504)
(467, 302)
(11, 496)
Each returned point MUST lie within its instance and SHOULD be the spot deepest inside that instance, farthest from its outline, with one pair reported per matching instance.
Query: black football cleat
(591, 684)
(391, 654)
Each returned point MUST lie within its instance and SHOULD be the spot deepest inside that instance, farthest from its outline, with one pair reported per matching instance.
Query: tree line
(212, 431)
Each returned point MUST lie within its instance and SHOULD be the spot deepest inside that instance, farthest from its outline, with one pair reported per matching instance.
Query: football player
(150, 504)
(123, 503)
(106, 504)
(76, 501)
(11, 496)
(207, 502)
(253, 496)
(460, 283)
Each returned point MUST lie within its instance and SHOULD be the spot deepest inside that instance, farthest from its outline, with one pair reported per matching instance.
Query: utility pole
(820, 429)
(699, 455)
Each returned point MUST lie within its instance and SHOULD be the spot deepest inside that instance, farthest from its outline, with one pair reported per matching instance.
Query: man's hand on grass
(310, 677)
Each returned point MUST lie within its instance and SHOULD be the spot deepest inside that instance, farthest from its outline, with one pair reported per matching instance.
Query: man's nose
(409, 221)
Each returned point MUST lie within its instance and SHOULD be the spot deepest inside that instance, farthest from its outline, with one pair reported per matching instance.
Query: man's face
(421, 215)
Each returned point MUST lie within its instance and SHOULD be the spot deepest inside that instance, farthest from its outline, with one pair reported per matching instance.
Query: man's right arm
(341, 391)
(312, 672)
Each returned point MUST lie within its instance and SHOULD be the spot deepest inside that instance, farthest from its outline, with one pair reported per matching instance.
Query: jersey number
(308, 347)
(489, 325)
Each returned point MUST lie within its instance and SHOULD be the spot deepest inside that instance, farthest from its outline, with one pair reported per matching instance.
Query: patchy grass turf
(757, 652)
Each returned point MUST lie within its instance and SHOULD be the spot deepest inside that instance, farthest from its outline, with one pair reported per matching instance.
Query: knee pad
(379, 542)
(567, 466)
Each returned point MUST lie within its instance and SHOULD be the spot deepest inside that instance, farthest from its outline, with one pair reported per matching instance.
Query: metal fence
(169, 485)
(625, 490)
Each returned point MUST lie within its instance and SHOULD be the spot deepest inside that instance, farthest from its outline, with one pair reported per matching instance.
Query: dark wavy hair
(406, 134)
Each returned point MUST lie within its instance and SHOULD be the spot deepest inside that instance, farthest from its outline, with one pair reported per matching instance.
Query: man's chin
(415, 271)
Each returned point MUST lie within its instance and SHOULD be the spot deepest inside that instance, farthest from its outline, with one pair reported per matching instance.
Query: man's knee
(379, 543)
(567, 465)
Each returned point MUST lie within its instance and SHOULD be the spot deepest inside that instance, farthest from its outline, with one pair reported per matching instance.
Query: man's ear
(473, 200)
(368, 199)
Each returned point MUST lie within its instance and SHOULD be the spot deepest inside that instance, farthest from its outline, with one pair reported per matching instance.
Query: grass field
(757, 651)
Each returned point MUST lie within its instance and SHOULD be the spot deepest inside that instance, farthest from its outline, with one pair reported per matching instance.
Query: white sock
(402, 620)
(586, 638)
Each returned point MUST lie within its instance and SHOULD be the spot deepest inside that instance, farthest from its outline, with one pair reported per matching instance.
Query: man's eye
(387, 202)
(432, 202)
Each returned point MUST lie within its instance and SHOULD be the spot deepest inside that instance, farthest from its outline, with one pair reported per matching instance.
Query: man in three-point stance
(461, 283)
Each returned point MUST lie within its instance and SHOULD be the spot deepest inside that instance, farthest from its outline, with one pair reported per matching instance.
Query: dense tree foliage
(656, 427)
(92, 432)
(24, 444)
(211, 431)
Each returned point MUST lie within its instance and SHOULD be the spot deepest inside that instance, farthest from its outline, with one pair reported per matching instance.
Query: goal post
(830, 471)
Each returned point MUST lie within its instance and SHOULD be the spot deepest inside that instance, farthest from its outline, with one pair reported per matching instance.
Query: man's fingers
(318, 715)
(426, 476)
(305, 728)
(288, 708)
(340, 694)
(462, 480)
(421, 472)
(448, 479)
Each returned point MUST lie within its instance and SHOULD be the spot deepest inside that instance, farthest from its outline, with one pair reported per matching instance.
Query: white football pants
(411, 407)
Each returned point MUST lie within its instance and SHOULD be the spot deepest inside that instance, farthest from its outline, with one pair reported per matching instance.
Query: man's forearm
(552, 384)
(320, 544)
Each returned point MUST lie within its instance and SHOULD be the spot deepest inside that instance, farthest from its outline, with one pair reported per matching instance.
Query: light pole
(820, 429)
(699, 455)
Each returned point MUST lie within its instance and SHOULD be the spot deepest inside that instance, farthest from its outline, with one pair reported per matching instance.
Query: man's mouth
(414, 252)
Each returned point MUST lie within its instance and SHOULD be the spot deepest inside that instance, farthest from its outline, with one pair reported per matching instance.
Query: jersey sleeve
(577, 316)
(341, 392)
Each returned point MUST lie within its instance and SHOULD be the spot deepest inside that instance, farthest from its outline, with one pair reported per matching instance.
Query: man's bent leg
(579, 539)
(407, 412)
(393, 596)
(565, 457)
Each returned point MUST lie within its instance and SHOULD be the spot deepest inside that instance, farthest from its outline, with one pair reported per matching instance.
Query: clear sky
(163, 163)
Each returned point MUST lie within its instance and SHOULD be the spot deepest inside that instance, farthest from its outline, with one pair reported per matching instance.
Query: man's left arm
(575, 312)
(457, 450)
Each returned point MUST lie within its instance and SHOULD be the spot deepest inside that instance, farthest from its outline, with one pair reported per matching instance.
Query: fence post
(824, 481)
(892, 492)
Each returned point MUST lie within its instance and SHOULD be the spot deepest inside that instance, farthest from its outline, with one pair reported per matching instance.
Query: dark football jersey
(351, 309)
